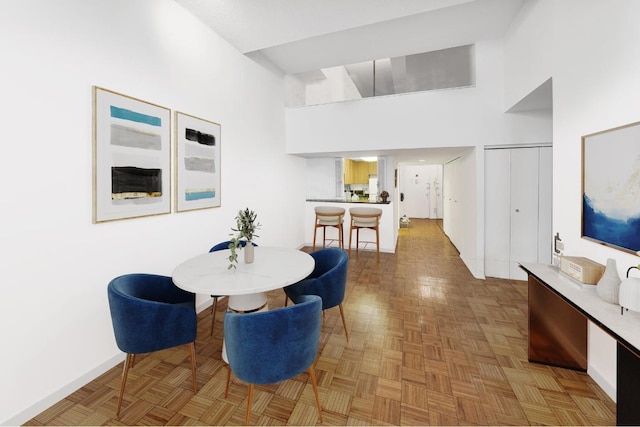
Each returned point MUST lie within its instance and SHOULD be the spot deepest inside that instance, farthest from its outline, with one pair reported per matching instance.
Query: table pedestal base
(245, 304)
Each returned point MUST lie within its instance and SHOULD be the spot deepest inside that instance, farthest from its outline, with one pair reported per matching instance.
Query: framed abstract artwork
(611, 187)
(197, 153)
(131, 157)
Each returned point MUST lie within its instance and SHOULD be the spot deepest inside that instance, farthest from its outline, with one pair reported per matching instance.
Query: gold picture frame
(197, 163)
(131, 157)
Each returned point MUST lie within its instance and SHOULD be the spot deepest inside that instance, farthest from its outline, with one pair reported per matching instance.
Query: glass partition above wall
(440, 69)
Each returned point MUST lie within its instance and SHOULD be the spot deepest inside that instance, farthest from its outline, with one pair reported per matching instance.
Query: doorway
(420, 187)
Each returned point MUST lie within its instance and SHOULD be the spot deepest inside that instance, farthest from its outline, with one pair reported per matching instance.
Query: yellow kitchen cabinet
(349, 171)
(358, 172)
(373, 168)
(362, 175)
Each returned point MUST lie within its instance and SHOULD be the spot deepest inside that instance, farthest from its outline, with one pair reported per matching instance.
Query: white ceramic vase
(249, 253)
(608, 286)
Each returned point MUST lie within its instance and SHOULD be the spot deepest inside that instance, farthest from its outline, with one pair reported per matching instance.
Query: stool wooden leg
(378, 243)
(315, 232)
(324, 236)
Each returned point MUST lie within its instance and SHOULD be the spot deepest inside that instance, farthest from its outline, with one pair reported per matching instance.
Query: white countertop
(624, 328)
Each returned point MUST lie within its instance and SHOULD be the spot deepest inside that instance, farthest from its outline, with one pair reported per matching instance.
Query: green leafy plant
(246, 226)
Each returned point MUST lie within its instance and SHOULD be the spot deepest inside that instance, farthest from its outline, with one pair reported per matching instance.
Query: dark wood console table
(559, 310)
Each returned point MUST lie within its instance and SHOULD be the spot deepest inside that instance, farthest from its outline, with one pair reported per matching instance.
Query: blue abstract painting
(611, 187)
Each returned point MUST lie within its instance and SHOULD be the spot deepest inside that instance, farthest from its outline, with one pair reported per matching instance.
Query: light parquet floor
(429, 345)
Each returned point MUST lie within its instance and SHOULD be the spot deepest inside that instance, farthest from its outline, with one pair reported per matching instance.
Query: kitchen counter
(367, 201)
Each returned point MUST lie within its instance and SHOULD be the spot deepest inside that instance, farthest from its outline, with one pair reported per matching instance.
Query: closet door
(517, 210)
(545, 214)
(497, 213)
(524, 209)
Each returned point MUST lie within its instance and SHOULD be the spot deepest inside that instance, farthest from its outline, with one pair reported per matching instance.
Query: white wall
(320, 175)
(56, 264)
(470, 117)
(529, 49)
(596, 87)
(337, 86)
(439, 118)
(595, 62)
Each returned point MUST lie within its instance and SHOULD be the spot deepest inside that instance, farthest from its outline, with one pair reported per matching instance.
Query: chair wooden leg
(125, 372)
(344, 323)
(133, 360)
(247, 415)
(286, 300)
(226, 389)
(312, 374)
(192, 350)
(350, 234)
(215, 309)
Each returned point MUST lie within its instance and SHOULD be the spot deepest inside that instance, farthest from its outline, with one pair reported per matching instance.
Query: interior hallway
(428, 345)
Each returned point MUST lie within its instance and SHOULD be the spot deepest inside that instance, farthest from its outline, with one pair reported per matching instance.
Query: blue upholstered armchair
(328, 280)
(271, 346)
(149, 313)
(220, 247)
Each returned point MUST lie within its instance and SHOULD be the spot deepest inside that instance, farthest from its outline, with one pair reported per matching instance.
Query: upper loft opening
(440, 69)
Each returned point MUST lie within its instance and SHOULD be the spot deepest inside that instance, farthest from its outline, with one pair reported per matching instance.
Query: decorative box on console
(581, 269)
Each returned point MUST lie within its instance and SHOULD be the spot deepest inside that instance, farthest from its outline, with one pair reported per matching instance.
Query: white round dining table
(247, 284)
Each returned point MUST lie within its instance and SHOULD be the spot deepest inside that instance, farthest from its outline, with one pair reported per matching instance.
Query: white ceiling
(307, 35)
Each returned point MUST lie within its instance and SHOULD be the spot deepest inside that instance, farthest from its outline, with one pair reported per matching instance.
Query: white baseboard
(472, 267)
(47, 402)
(605, 385)
(50, 400)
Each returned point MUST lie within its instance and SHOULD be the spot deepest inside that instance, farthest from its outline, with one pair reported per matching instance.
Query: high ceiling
(307, 35)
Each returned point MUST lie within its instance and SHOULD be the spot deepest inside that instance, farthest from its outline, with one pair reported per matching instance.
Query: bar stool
(365, 218)
(329, 216)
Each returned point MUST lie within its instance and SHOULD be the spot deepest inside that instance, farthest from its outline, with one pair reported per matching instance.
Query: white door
(452, 217)
(517, 210)
(524, 209)
(422, 189)
(414, 189)
(446, 200)
(497, 213)
(545, 214)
